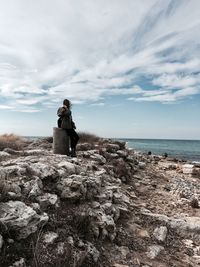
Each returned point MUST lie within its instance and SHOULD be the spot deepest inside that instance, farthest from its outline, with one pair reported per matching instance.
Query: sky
(131, 68)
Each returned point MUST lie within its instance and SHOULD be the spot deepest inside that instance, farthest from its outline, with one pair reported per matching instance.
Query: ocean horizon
(178, 148)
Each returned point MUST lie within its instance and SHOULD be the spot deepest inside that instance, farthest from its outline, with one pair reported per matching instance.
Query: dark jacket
(66, 117)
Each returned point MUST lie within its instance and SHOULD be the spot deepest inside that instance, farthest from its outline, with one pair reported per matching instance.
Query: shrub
(88, 138)
(11, 141)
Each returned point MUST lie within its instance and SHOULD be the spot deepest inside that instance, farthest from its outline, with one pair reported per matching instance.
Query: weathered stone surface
(22, 219)
(79, 187)
(33, 188)
(42, 170)
(47, 200)
(4, 154)
(19, 263)
(153, 251)
(50, 237)
(160, 233)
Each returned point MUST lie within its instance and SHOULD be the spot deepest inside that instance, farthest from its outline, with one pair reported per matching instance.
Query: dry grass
(11, 141)
(88, 137)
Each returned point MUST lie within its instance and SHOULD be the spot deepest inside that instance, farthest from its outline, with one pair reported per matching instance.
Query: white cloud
(86, 50)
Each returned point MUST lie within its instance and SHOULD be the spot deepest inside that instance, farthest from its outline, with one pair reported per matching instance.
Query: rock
(183, 225)
(194, 203)
(77, 187)
(112, 148)
(33, 188)
(42, 170)
(10, 189)
(93, 252)
(19, 263)
(190, 169)
(69, 167)
(99, 158)
(50, 237)
(153, 251)
(1, 242)
(160, 233)
(47, 200)
(23, 220)
(4, 155)
(143, 233)
(11, 151)
(141, 165)
(60, 250)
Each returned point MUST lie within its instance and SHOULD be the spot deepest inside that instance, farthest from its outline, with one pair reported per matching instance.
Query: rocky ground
(110, 206)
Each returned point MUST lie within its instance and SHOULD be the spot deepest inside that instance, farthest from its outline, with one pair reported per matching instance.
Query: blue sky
(130, 68)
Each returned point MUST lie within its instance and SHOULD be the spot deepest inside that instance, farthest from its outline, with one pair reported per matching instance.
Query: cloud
(87, 50)
(100, 104)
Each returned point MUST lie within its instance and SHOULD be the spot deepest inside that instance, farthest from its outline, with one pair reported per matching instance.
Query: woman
(67, 124)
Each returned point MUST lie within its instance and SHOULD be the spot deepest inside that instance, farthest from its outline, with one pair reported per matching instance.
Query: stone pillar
(60, 141)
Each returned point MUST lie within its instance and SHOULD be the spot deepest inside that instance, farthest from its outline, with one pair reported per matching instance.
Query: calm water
(183, 149)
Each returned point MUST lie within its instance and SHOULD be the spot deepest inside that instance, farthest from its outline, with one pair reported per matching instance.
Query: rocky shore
(109, 207)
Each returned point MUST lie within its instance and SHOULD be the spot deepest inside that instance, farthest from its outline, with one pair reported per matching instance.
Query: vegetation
(88, 137)
(11, 141)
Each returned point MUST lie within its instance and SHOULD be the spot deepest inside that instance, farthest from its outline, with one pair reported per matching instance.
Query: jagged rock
(23, 220)
(42, 170)
(190, 169)
(143, 233)
(160, 233)
(10, 189)
(1, 242)
(102, 225)
(99, 158)
(153, 251)
(112, 148)
(93, 252)
(122, 153)
(50, 237)
(69, 167)
(19, 263)
(79, 187)
(11, 151)
(33, 188)
(47, 200)
(141, 165)
(4, 154)
(12, 171)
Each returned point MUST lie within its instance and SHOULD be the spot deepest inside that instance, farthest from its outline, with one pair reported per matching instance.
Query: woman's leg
(73, 139)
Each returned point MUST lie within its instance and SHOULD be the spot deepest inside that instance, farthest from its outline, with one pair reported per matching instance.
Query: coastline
(108, 199)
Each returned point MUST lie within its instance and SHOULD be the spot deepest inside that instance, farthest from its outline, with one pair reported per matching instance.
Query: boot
(73, 152)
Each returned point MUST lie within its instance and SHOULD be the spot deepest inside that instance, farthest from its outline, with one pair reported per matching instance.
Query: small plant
(88, 137)
(11, 141)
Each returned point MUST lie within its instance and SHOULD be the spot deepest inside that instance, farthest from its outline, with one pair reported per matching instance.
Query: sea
(182, 149)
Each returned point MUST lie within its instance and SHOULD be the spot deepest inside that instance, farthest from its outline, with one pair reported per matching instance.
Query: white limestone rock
(47, 200)
(33, 188)
(153, 251)
(20, 218)
(160, 233)
(50, 237)
(42, 170)
(19, 263)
